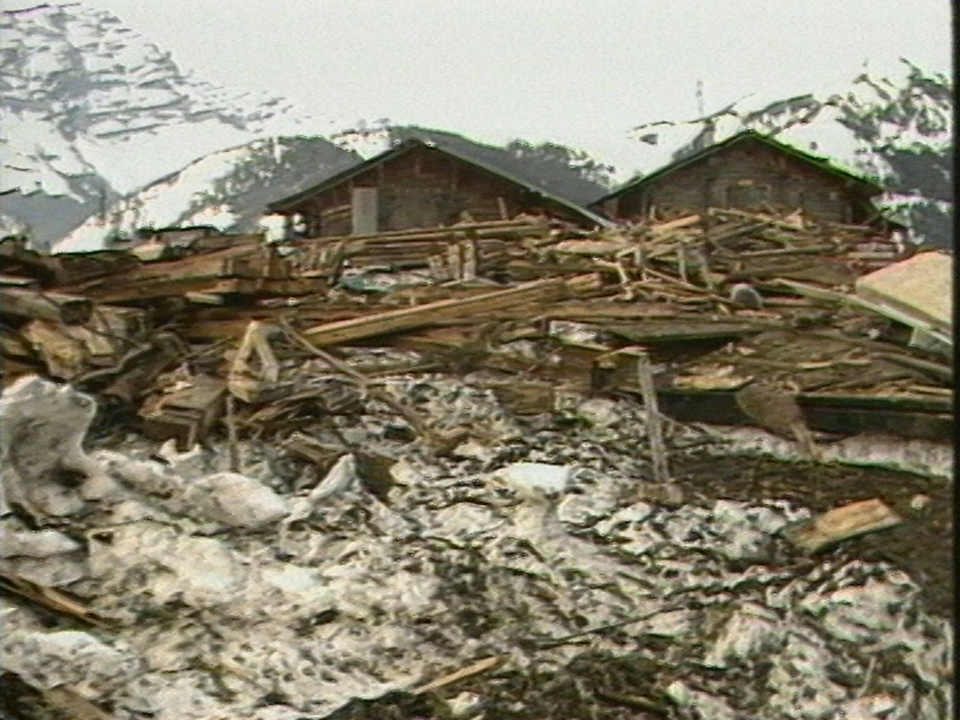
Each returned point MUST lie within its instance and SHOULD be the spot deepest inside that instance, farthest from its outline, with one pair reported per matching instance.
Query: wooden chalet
(434, 180)
(748, 171)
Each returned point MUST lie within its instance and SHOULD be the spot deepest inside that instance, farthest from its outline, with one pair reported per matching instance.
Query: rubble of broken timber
(429, 473)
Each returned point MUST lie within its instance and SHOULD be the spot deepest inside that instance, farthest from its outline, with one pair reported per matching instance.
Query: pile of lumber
(224, 330)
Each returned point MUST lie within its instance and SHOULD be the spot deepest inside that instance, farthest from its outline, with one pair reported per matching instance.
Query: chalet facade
(748, 171)
(428, 182)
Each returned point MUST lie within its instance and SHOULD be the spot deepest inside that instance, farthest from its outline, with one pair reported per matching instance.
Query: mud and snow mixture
(280, 593)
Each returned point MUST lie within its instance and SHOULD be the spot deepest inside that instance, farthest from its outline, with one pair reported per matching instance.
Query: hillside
(92, 111)
(228, 189)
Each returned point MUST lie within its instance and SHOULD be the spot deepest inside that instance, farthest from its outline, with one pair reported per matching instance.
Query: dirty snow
(339, 595)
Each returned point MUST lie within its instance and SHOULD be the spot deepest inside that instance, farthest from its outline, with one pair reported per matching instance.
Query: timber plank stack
(157, 326)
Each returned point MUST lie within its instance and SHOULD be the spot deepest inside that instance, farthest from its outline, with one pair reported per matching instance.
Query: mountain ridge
(98, 120)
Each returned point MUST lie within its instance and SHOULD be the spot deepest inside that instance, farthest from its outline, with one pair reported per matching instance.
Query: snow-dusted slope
(91, 110)
(897, 128)
(228, 189)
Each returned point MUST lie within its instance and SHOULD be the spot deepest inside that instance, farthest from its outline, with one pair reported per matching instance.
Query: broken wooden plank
(654, 424)
(185, 414)
(134, 374)
(683, 329)
(203, 298)
(541, 291)
(18, 281)
(249, 381)
(64, 268)
(309, 448)
(927, 418)
(174, 287)
(840, 524)
(35, 304)
(905, 318)
(919, 288)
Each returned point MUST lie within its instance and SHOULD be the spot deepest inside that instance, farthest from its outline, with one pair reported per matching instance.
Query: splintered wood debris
(718, 300)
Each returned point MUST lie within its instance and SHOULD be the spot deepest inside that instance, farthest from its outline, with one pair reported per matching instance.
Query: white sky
(574, 71)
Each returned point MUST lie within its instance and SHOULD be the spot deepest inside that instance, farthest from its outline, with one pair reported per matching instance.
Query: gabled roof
(870, 187)
(493, 160)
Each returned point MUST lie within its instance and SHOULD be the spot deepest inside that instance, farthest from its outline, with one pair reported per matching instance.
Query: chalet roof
(565, 189)
(823, 164)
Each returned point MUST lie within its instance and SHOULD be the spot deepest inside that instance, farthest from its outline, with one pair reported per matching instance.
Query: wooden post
(641, 258)
(704, 264)
(232, 446)
(454, 261)
(682, 257)
(658, 450)
(469, 249)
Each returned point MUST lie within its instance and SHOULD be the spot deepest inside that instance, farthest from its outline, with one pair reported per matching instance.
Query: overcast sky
(573, 71)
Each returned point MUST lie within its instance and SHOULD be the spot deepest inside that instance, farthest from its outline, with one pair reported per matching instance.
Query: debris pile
(718, 303)
(440, 473)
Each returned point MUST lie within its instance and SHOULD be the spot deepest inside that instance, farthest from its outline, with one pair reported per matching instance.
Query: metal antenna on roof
(700, 110)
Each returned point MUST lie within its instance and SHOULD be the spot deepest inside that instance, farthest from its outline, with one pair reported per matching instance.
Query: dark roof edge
(822, 163)
(344, 174)
(411, 143)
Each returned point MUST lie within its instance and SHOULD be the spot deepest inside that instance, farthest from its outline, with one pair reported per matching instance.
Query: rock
(234, 500)
(535, 479)
(744, 294)
(41, 439)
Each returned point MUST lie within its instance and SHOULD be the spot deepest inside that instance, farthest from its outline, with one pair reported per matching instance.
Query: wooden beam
(524, 295)
(840, 524)
(37, 305)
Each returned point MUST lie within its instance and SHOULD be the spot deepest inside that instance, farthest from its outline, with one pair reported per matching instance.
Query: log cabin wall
(744, 176)
(424, 187)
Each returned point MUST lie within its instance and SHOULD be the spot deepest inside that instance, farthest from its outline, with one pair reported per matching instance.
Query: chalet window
(747, 195)
(364, 210)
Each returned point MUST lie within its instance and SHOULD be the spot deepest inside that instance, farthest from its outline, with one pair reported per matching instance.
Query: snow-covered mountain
(228, 189)
(92, 111)
(897, 128)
